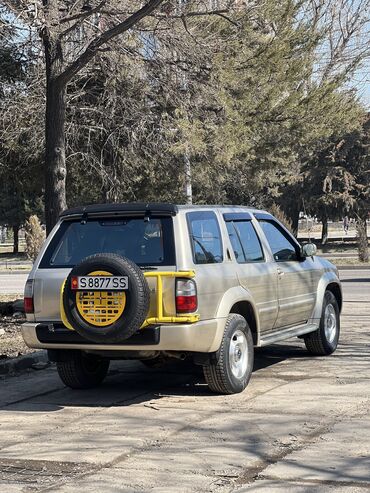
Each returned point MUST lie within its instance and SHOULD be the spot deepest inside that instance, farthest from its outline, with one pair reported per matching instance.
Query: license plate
(99, 283)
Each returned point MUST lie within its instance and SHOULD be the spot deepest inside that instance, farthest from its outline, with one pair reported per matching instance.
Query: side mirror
(308, 250)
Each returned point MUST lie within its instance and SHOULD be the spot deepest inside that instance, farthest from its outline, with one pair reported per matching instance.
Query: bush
(35, 237)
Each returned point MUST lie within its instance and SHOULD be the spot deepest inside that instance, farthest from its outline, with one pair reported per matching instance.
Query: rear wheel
(232, 368)
(83, 371)
(324, 340)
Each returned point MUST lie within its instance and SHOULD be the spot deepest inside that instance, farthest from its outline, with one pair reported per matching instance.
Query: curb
(15, 272)
(15, 365)
(353, 267)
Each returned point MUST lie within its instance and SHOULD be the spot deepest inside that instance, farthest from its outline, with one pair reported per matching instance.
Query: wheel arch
(329, 281)
(246, 309)
(239, 300)
(334, 288)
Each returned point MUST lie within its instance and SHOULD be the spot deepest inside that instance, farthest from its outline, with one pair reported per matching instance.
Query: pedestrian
(346, 224)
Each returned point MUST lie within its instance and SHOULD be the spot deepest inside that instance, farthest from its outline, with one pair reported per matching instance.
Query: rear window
(147, 243)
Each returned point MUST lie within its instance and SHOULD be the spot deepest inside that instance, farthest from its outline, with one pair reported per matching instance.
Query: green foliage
(243, 97)
(20, 149)
(337, 179)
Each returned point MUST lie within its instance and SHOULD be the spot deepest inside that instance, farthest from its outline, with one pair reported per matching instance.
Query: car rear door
(297, 280)
(255, 272)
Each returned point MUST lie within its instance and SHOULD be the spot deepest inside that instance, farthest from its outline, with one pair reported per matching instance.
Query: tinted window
(282, 248)
(235, 242)
(245, 242)
(144, 242)
(205, 237)
(249, 240)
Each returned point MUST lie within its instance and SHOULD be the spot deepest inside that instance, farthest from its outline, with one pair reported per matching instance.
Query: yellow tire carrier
(159, 317)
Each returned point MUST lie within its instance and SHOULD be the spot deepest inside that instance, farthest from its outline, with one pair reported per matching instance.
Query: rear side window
(146, 243)
(205, 237)
(245, 242)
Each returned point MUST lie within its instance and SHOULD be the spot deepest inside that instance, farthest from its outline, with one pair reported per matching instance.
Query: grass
(339, 262)
(10, 268)
(6, 298)
(13, 261)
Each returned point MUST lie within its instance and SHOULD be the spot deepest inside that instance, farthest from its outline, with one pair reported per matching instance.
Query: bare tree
(175, 117)
(72, 34)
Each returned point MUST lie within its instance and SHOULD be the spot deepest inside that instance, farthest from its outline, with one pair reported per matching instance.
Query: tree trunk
(55, 160)
(15, 238)
(362, 241)
(324, 231)
(188, 181)
(55, 165)
(292, 213)
(295, 223)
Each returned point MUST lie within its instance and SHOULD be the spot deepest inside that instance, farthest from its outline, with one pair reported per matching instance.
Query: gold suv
(155, 281)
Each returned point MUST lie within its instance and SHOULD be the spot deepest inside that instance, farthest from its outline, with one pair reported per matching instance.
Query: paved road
(302, 425)
(12, 283)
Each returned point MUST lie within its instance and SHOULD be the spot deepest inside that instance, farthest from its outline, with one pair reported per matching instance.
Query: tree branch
(106, 36)
(194, 14)
(83, 15)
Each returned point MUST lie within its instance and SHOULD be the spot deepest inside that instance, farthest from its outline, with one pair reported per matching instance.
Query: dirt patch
(11, 341)
(36, 474)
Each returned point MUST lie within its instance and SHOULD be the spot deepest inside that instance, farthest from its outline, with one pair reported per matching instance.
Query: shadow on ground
(131, 383)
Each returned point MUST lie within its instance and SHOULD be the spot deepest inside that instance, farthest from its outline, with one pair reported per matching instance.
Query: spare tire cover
(107, 316)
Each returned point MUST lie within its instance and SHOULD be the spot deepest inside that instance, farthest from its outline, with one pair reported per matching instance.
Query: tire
(137, 299)
(83, 371)
(324, 340)
(226, 375)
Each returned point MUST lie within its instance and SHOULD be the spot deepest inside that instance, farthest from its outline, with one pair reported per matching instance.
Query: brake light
(186, 296)
(28, 297)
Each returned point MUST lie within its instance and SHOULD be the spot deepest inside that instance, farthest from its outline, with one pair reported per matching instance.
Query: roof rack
(125, 209)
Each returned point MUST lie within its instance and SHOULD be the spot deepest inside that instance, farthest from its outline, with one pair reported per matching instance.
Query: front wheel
(324, 340)
(232, 368)
(83, 371)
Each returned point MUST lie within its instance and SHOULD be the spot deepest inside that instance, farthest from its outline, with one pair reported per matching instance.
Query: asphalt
(302, 425)
(12, 283)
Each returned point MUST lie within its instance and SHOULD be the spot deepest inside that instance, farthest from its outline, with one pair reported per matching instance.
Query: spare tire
(107, 316)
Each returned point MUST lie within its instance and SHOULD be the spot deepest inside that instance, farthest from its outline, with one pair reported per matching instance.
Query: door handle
(280, 272)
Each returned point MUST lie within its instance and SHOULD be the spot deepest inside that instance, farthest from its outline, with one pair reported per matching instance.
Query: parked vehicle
(153, 281)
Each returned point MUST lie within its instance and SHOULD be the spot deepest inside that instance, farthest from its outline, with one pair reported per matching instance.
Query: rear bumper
(204, 336)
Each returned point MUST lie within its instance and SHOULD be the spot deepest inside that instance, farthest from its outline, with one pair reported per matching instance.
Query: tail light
(28, 297)
(186, 296)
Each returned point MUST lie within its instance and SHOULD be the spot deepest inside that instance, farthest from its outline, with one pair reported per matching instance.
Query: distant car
(154, 281)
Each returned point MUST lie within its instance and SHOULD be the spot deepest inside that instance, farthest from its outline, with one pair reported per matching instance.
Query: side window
(235, 242)
(205, 237)
(283, 249)
(250, 242)
(245, 242)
